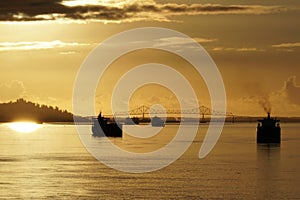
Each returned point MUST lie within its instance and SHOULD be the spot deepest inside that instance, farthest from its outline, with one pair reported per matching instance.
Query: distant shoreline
(167, 123)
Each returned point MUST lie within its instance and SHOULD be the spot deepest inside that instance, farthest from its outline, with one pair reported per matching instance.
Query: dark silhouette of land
(23, 110)
(26, 110)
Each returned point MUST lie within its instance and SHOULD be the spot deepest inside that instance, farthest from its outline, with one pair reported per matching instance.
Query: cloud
(204, 40)
(292, 90)
(11, 90)
(175, 41)
(287, 45)
(246, 49)
(281, 101)
(36, 45)
(68, 52)
(242, 49)
(117, 11)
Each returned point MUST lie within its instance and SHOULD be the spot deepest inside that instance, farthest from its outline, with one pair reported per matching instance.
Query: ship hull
(132, 121)
(157, 122)
(268, 130)
(108, 130)
(268, 135)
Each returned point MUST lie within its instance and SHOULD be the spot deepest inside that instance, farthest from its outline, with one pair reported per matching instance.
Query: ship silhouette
(157, 122)
(132, 121)
(102, 127)
(268, 130)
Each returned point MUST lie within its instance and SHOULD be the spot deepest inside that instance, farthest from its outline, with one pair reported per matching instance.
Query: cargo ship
(102, 127)
(268, 130)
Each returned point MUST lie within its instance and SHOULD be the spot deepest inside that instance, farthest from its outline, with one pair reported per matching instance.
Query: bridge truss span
(146, 111)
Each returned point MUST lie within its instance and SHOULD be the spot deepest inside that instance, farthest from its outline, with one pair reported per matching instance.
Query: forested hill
(26, 110)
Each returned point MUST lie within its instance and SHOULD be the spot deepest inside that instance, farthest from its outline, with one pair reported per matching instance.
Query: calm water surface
(52, 163)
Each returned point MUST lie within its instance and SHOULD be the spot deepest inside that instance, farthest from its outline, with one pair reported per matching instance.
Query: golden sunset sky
(255, 44)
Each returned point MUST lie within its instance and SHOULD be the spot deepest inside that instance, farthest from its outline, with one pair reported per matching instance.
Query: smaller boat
(102, 127)
(268, 130)
(132, 121)
(157, 122)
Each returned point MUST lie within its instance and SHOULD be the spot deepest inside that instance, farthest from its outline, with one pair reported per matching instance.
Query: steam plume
(265, 103)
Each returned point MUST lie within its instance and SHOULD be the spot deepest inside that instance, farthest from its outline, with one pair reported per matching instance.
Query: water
(52, 163)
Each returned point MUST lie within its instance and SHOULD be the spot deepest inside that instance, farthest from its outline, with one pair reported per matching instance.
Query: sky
(255, 45)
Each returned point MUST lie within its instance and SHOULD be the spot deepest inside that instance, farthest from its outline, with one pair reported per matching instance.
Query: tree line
(26, 110)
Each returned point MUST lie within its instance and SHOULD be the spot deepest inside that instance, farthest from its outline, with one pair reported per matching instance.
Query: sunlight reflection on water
(52, 163)
(24, 127)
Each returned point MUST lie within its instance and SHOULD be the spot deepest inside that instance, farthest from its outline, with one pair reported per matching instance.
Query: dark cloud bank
(35, 10)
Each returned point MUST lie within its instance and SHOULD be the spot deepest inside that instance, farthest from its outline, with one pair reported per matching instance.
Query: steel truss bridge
(144, 111)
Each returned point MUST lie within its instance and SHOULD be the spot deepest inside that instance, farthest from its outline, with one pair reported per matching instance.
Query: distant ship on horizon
(157, 122)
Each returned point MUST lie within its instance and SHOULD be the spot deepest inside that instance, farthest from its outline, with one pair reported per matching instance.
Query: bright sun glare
(72, 3)
(24, 127)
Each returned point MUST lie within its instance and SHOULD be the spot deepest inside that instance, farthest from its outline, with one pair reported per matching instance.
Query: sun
(24, 127)
(72, 3)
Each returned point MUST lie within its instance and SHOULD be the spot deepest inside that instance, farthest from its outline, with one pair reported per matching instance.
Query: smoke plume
(265, 103)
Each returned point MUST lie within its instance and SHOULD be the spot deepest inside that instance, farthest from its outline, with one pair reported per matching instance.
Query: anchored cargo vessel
(268, 130)
(157, 122)
(102, 127)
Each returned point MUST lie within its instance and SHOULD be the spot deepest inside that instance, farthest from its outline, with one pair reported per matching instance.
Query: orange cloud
(11, 90)
(292, 90)
(240, 49)
(287, 45)
(37, 45)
